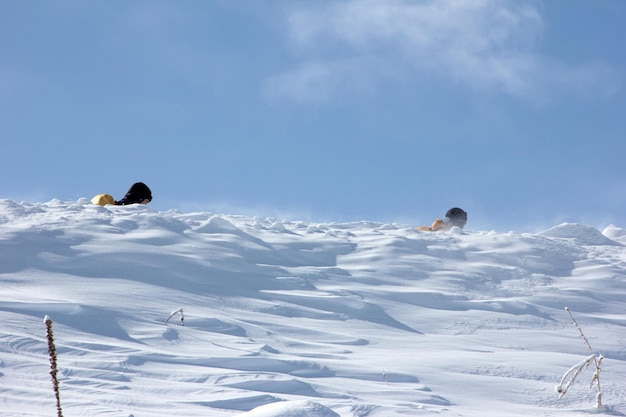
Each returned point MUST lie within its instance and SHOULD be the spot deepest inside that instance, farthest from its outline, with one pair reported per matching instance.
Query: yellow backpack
(103, 199)
(437, 225)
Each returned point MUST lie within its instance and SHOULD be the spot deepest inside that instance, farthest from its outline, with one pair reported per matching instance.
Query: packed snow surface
(160, 314)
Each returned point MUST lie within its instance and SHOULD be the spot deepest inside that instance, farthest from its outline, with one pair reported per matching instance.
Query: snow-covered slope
(288, 319)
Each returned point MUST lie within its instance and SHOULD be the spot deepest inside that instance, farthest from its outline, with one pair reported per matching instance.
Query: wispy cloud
(482, 45)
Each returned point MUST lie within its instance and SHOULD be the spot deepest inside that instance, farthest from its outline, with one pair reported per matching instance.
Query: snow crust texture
(158, 314)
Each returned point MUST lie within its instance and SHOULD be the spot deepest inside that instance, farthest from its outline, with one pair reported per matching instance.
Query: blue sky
(321, 110)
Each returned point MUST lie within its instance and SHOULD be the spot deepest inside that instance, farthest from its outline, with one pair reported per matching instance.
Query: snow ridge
(287, 318)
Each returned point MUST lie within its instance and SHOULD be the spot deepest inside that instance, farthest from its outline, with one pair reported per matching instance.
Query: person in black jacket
(454, 217)
(138, 193)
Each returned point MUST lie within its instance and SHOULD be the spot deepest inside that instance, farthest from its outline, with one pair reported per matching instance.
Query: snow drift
(287, 318)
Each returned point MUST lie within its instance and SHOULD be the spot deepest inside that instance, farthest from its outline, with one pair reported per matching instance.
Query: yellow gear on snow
(437, 225)
(103, 199)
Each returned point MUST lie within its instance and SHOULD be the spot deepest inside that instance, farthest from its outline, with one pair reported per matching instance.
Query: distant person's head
(456, 217)
(138, 193)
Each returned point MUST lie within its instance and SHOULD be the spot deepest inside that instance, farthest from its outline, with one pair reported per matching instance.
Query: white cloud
(484, 45)
(311, 82)
(318, 81)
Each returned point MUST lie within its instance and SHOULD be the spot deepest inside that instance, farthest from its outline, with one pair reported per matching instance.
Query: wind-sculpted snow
(168, 313)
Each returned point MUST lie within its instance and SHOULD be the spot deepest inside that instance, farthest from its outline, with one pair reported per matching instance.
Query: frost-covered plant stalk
(173, 313)
(52, 352)
(570, 376)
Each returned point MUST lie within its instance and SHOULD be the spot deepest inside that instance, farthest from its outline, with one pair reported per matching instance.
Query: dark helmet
(456, 217)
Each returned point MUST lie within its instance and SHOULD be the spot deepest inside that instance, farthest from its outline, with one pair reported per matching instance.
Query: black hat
(456, 217)
(137, 193)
